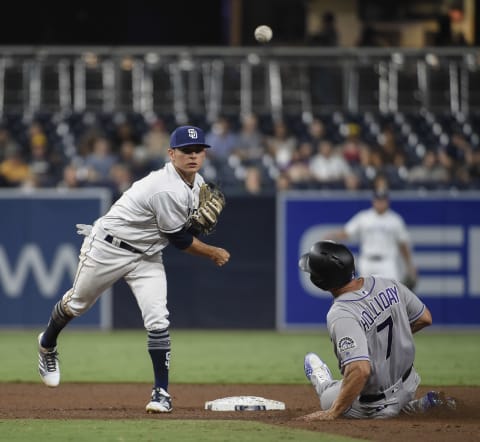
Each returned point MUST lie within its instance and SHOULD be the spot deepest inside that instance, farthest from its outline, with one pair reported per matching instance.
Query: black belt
(378, 397)
(121, 244)
(375, 258)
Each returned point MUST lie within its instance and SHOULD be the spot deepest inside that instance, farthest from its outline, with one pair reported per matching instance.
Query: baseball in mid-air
(263, 34)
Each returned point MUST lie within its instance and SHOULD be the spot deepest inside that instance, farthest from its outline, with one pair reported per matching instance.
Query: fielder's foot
(316, 370)
(48, 365)
(161, 402)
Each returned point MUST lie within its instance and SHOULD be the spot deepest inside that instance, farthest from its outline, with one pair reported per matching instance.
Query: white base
(244, 403)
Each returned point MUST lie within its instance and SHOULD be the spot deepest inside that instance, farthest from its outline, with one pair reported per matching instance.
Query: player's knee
(72, 307)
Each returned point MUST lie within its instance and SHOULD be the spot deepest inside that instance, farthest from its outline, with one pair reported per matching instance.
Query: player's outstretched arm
(336, 235)
(355, 377)
(218, 255)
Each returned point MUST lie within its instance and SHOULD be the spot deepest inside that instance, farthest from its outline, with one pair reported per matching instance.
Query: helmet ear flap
(317, 281)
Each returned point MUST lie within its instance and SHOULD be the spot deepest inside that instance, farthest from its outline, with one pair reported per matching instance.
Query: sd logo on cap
(187, 136)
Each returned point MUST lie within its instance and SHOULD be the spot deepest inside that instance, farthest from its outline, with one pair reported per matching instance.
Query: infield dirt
(127, 401)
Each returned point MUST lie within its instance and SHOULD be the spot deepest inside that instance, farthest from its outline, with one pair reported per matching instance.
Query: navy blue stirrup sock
(159, 350)
(160, 361)
(58, 320)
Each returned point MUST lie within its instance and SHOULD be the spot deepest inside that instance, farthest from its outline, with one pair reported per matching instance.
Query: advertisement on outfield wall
(444, 230)
(39, 250)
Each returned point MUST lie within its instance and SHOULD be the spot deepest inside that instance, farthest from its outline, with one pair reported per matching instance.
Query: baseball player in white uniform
(384, 240)
(128, 242)
(371, 323)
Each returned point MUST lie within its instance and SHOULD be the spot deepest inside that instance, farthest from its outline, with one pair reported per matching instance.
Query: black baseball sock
(160, 361)
(58, 320)
(159, 350)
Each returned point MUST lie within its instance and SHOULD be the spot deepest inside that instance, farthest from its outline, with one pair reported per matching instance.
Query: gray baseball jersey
(157, 204)
(373, 324)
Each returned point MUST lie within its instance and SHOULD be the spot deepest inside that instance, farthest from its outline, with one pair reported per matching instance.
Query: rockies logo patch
(346, 343)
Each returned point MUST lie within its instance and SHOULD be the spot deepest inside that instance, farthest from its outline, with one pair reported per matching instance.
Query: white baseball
(263, 34)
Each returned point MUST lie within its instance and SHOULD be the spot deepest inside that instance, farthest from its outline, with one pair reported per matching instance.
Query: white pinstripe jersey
(379, 234)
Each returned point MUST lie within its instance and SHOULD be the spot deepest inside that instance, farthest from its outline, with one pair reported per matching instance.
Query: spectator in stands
(390, 152)
(316, 133)
(251, 142)
(328, 166)
(352, 182)
(124, 131)
(45, 163)
(14, 171)
(120, 179)
(392, 158)
(7, 144)
(222, 137)
(370, 166)
(430, 172)
(156, 142)
(135, 159)
(100, 161)
(380, 182)
(353, 147)
(253, 181)
(328, 34)
(456, 157)
(283, 182)
(281, 144)
(87, 140)
(298, 171)
(70, 178)
(474, 168)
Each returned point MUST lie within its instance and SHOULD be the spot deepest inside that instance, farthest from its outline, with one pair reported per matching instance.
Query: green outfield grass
(443, 358)
(155, 431)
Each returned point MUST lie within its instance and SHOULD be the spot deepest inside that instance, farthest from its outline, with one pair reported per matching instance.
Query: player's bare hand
(220, 256)
(317, 416)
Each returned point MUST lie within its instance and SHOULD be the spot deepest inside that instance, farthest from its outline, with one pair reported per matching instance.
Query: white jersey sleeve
(379, 234)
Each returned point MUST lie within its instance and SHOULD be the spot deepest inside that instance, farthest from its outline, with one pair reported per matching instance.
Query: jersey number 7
(387, 323)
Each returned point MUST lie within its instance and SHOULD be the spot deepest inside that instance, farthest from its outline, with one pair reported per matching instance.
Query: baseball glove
(211, 203)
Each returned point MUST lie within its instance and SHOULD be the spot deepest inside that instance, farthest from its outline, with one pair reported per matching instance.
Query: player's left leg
(319, 375)
(151, 294)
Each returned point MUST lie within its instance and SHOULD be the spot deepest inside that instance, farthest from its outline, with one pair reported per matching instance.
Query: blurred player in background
(127, 242)
(384, 241)
(371, 324)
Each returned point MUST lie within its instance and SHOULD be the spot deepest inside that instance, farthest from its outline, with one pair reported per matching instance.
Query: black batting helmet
(330, 265)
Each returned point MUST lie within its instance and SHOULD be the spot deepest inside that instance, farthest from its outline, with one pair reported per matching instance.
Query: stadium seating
(414, 133)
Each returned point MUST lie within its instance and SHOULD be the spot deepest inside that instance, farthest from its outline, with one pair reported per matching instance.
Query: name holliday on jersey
(379, 303)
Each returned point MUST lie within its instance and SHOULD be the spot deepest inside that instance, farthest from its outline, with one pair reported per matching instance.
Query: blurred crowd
(251, 155)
